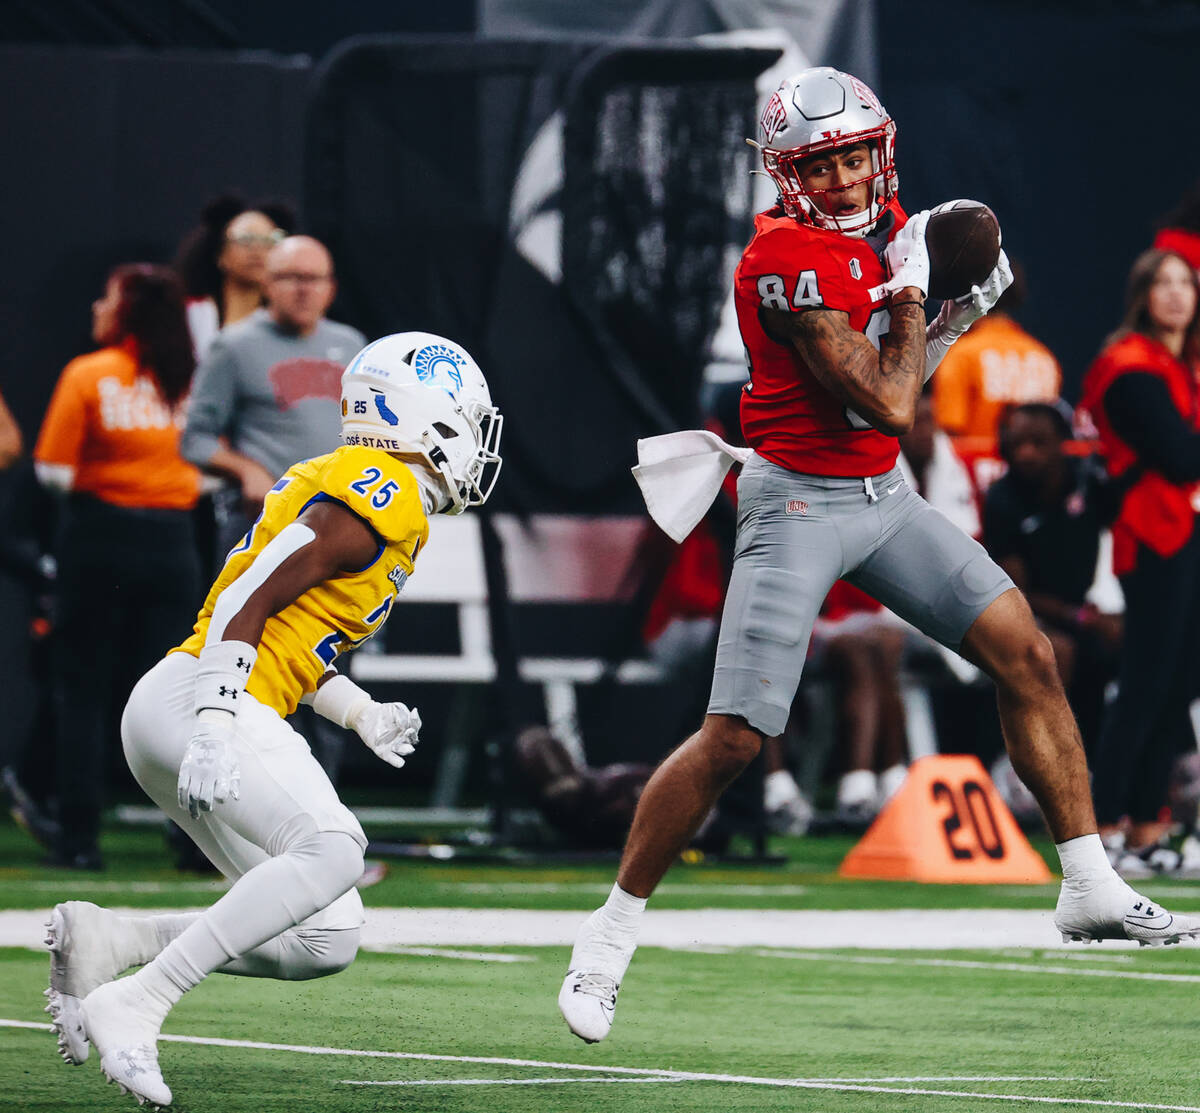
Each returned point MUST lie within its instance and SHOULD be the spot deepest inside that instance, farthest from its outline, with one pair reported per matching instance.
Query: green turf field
(753, 1028)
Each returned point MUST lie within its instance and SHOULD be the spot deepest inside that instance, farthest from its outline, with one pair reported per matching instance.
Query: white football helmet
(819, 110)
(414, 393)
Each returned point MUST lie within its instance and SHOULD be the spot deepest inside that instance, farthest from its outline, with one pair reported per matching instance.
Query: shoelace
(141, 1059)
(596, 985)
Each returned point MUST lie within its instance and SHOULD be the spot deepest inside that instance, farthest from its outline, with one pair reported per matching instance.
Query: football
(963, 240)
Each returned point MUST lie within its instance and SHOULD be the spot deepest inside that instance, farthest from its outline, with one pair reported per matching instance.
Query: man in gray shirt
(267, 393)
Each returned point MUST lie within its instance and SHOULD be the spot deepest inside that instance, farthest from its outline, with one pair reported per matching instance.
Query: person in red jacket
(1180, 229)
(1141, 393)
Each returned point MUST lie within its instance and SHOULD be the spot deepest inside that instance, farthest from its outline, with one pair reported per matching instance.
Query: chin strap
(434, 496)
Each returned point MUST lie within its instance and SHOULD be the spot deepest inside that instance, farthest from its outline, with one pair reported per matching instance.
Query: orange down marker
(947, 824)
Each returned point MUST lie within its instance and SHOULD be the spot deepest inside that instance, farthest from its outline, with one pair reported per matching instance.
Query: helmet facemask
(802, 204)
(468, 481)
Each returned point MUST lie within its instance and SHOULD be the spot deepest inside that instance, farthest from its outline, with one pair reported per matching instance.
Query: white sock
(609, 936)
(170, 926)
(859, 786)
(779, 788)
(1084, 861)
(891, 780)
(623, 911)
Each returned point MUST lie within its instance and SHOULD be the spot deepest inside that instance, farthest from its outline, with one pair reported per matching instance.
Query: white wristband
(340, 701)
(221, 677)
(936, 346)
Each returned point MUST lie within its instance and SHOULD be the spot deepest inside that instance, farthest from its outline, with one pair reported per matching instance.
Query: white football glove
(390, 729)
(209, 773)
(906, 256)
(961, 313)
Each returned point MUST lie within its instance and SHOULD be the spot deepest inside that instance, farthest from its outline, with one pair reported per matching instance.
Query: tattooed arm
(883, 385)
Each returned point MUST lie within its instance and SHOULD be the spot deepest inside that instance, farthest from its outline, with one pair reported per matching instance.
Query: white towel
(680, 475)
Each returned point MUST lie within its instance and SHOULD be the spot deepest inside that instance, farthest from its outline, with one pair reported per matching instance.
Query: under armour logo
(133, 1060)
(243, 665)
(232, 693)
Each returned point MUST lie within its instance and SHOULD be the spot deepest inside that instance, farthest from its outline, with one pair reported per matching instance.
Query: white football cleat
(87, 948)
(123, 1023)
(588, 1003)
(588, 998)
(1112, 910)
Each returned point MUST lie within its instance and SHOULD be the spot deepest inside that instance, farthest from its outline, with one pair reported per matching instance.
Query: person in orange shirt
(997, 364)
(128, 576)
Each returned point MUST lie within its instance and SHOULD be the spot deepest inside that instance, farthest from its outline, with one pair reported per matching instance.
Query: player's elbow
(895, 420)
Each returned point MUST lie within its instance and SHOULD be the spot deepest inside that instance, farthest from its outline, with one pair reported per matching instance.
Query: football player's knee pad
(331, 861)
(319, 952)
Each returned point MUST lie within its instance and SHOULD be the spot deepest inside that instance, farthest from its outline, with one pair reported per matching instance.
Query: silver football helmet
(820, 110)
(414, 393)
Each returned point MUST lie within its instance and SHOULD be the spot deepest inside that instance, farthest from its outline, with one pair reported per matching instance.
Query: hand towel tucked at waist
(680, 474)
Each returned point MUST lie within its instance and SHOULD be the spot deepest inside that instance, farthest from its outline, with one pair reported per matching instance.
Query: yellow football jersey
(300, 642)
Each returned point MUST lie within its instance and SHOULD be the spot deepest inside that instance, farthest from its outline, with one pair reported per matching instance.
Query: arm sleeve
(1139, 408)
(212, 404)
(64, 428)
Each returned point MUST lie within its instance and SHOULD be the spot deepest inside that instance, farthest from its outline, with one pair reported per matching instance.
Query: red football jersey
(788, 417)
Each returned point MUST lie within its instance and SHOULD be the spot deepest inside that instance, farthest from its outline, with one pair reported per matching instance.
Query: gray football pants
(798, 534)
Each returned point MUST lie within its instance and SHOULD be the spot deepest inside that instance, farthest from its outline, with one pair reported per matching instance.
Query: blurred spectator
(591, 807)
(11, 444)
(1141, 394)
(268, 395)
(996, 364)
(934, 470)
(1180, 231)
(128, 581)
(1042, 524)
(860, 646)
(22, 586)
(223, 263)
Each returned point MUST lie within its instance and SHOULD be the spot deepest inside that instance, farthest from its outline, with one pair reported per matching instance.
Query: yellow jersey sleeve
(378, 488)
(304, 638)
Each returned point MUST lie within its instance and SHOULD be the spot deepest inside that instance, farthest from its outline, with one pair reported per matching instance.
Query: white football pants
(287, 809)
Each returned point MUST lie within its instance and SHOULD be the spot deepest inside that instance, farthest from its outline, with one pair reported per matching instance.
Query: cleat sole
(64, 1027)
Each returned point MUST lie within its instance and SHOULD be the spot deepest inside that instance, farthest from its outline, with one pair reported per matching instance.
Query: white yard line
(467, 956)
(686, 889)
(488, 928)
(649, 1074)
(898, 929)
(499, 1081)
(84, 885)
(966, 964)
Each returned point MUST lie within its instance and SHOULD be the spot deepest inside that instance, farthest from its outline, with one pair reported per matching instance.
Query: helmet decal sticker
(438, 365)
(773, 117)
(382, 407)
